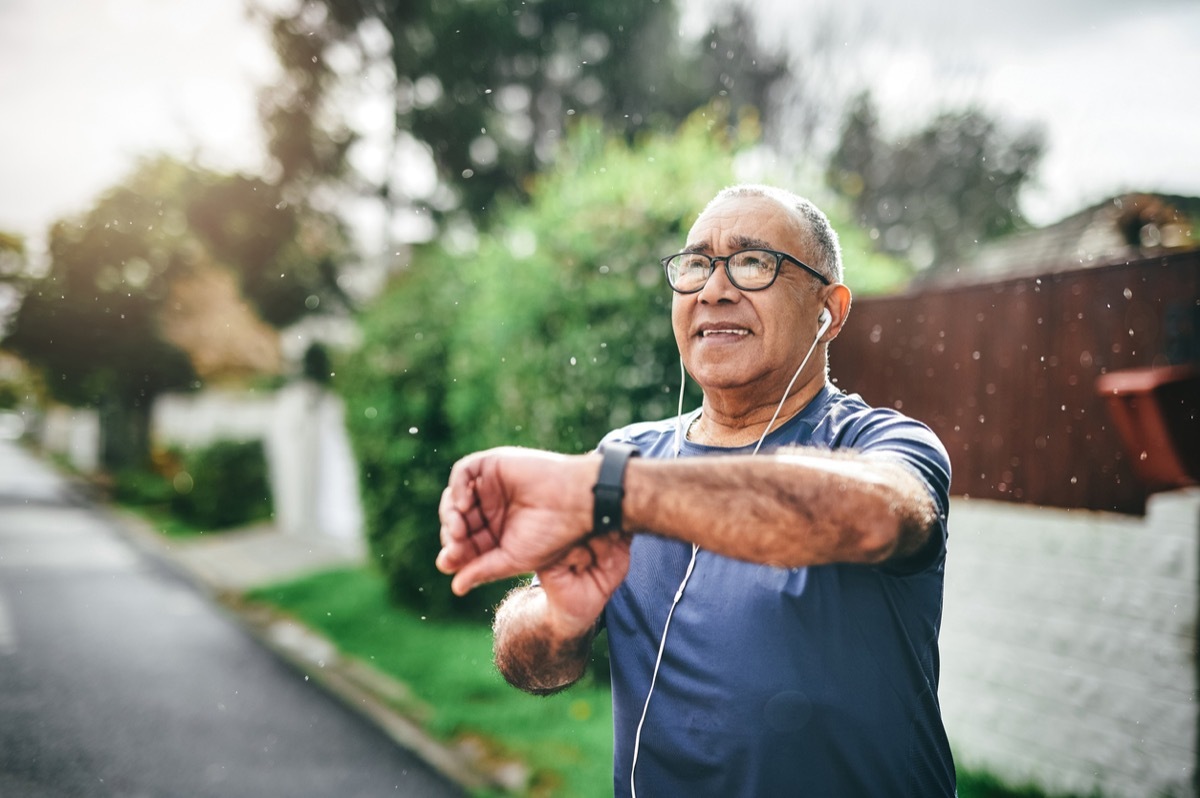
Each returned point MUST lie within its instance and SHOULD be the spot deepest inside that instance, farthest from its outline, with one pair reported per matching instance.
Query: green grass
(984, 785)
(566, 739)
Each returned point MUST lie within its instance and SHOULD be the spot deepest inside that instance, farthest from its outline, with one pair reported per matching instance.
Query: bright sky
(88, 85)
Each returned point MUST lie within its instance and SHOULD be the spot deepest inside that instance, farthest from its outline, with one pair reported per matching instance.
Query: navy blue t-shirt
(818, 681)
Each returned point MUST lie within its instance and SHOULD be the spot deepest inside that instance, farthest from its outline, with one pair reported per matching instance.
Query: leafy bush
(135, 487)
(223, 485)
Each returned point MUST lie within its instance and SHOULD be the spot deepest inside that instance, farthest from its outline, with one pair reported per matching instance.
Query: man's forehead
(746, 222)
(736, 241)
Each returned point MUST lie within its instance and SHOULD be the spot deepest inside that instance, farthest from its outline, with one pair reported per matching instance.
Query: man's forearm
(796, 508)
(529, 652)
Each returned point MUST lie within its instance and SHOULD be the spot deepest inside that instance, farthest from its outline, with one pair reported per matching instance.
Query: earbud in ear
(824, 320)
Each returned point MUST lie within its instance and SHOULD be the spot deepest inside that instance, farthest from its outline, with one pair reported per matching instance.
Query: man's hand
(511, 511)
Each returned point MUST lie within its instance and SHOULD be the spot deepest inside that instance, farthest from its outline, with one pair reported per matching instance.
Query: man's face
(731, 339)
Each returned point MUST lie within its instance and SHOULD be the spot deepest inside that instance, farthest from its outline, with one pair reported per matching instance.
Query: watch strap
(609, 489)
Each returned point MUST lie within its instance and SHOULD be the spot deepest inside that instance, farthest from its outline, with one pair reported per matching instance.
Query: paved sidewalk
(238, 560)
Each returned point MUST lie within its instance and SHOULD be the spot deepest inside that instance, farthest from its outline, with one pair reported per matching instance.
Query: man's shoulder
(849, 422)
(849, 410)
(648, 436)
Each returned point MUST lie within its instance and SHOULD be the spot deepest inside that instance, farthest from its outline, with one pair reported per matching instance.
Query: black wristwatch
(610, 487)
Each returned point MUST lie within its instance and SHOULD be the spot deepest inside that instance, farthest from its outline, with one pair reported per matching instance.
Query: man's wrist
(609, 491)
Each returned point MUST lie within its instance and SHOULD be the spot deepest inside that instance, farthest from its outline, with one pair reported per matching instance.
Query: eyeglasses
(747, 269)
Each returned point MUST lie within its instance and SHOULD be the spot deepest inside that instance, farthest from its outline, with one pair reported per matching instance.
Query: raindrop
(413, 430)
(1128, 294)
(573, 361)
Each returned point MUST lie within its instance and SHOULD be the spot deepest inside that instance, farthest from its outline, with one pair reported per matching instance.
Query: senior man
(768, 568)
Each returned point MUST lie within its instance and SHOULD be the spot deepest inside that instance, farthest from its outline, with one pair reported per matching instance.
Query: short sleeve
(889, 436)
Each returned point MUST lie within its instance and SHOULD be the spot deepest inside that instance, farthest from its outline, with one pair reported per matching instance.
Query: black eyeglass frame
(780, 257)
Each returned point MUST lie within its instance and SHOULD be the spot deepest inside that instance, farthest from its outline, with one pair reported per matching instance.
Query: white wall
(73, 433)
(1068, 645)
(314, 480)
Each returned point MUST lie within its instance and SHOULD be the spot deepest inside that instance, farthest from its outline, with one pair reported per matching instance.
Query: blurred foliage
(12, 253)
(91, 321)
(142, 487)
(223, 485)
(485, 88)
(211, 488)
(931, 195)
(548, 331)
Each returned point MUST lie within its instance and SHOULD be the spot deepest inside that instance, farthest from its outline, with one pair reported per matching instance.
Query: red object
(1157, 414)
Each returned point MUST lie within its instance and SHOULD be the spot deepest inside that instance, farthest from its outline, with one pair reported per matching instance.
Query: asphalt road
(118, 678)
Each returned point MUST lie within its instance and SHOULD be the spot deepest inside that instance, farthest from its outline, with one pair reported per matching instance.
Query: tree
(94, 322)
(486, 88)
(932, 194)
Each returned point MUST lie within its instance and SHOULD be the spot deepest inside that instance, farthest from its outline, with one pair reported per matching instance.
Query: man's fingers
(460, 487)
(487, 567)
(454, 526)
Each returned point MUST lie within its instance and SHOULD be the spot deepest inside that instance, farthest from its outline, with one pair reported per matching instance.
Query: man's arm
(798, 507)
(532, 652)
(794, 508)
(542, 635)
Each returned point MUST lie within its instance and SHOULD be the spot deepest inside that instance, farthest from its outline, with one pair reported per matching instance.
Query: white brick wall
(1068, 645)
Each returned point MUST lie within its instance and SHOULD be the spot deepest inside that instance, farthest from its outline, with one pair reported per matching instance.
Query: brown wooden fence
(1005, 372)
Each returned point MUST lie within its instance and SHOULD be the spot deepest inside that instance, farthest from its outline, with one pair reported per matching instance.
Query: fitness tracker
(609, 489)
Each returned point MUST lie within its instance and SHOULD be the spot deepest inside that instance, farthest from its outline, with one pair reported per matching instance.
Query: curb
(384, 701)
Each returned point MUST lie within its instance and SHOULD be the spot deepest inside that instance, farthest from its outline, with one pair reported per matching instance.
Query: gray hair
(823, 237)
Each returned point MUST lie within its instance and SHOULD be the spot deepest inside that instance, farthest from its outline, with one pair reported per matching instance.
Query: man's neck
(732, 425)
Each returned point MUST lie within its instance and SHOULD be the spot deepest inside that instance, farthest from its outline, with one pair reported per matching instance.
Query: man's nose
(718, 288)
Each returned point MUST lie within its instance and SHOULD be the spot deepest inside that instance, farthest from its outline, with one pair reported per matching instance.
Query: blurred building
(1127, 227)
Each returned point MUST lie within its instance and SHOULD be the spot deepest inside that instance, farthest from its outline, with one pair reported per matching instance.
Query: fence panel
(1005, 372)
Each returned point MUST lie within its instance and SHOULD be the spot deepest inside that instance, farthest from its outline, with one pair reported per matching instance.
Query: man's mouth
(723, 331)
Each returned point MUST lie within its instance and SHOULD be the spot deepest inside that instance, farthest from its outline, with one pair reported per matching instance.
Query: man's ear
(837, 301)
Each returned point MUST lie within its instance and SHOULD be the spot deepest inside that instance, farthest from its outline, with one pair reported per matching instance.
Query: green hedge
(223, 485)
